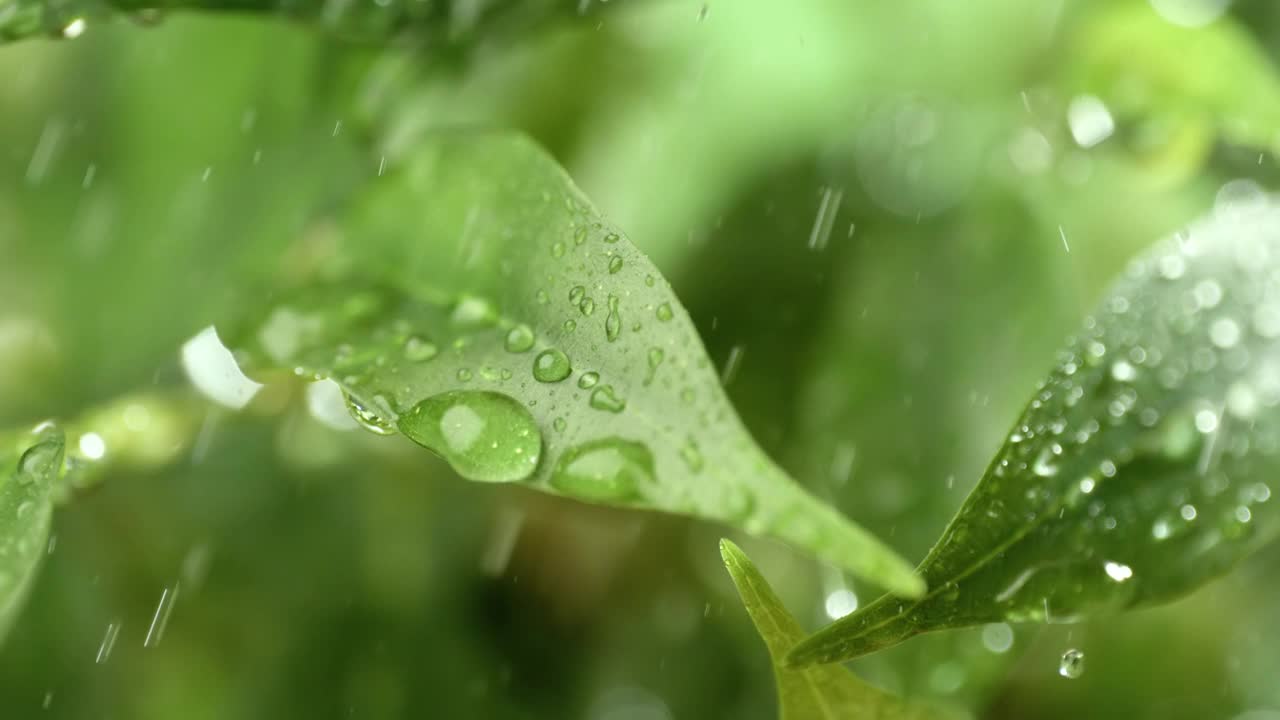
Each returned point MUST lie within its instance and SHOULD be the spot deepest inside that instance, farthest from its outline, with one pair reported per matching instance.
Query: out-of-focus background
(883, 216)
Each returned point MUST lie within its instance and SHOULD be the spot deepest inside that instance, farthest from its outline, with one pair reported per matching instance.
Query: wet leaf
(1139, 470)
(523, 339)
(816, 693)
(29, 467)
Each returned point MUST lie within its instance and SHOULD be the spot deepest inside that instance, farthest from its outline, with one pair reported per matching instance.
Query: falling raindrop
(1071, 666)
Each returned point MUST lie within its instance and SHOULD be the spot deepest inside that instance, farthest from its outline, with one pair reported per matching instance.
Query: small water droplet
(557, 250)
(576, 293)
(551, 365)
(615, 264)
(612, 237)
(464, 375)
(367, 418)
(1071, 666)
(664, 312)
(519, 339)
(588, 380)
(587, 306)
(484, 436)
(692, 456)
(603, 398)
(417, 349)
(613, 323)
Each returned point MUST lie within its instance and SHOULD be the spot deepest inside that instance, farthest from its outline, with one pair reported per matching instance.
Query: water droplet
(557, 250)
(541, 297)
(1118, 571)
(519, 339)
(367, 418)
(559, 424)
(615, 264)
(1046, 462)
(464, 375)
(664, 312)
(417, 349)
(613, 323)
(603, 398)
(570, 325)
(484, 436)
(1123, 371)
(997, 637)
(587, 306)
(655, 359)
(692, 456)
(580, 235)
(576, 293)
(607, 469)
(840, 602)
(1188, 512)
(612, 237)
(1224, 332)
(588, 380)
(473, 312)
(74, 29)
(1206, 421)
(551, 365)
(1071, 666)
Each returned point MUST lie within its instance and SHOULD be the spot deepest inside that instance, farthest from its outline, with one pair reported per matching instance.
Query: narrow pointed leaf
(1142, 467)
(817, 693)
(523, 339)
(29, 466)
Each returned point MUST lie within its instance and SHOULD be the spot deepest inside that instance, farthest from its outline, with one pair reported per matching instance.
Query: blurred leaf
(1176, 79)
(29, 465)
(810, 693)
(523, 339)
(1138, 471)
(452, 21)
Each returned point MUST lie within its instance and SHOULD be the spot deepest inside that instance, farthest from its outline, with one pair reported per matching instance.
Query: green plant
(456, 288)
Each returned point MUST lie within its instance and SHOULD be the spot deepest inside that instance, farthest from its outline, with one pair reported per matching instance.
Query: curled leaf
(520, 337)
(1141, 467)
(817, 693)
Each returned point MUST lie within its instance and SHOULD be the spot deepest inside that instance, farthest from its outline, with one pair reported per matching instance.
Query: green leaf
(813, 693)
(381, 21)
(1138, 471)
(523, 339)
(29, 466)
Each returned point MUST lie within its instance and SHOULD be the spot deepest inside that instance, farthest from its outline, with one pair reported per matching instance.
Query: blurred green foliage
(883, 217)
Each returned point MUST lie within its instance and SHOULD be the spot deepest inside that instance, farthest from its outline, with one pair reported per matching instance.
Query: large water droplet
(608, 469)
(484, 436)
(613, 323)
(551, 365)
